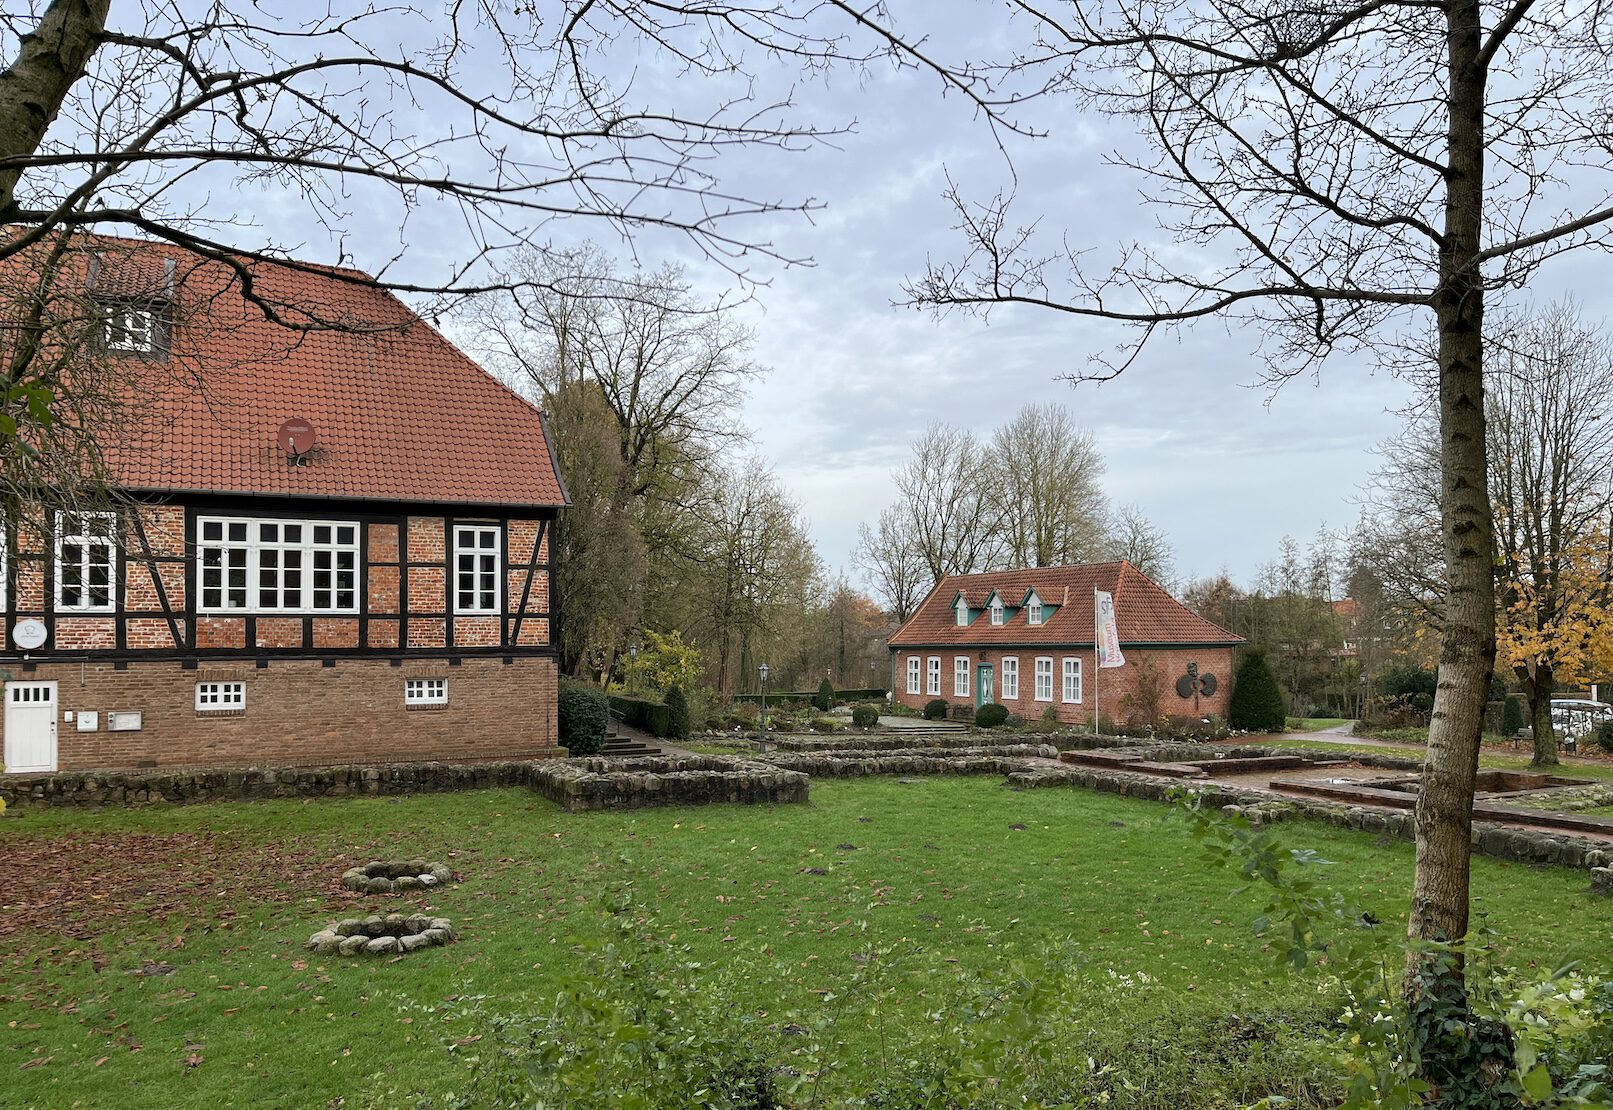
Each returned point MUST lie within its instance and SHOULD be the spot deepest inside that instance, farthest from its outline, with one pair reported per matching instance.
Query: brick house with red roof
(330, 540)
(1024, 639)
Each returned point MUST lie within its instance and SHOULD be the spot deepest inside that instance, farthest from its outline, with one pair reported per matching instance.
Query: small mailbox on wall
(124, 720)
(88, 720)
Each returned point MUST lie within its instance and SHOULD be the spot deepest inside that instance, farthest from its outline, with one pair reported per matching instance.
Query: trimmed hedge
(864, 715)
(787, 697)
(582, 716)
(677, 713)
(651, 716)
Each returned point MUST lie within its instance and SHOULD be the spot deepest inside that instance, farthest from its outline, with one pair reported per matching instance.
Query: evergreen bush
(935, 709)
(1604, 736)
(1257, 700)
(824, 699)
(677, 714)
(865, 715)
(991, 715)
(583, 716)
(1511, 716)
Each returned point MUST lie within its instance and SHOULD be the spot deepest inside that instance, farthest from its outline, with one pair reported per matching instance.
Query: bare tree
(1337, 172)
(1132, 536)
(889, 555)
(1046, 474)
(950, 511)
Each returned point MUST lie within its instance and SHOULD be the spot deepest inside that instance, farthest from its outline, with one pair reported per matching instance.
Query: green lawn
(790, 896)
(1315, 724)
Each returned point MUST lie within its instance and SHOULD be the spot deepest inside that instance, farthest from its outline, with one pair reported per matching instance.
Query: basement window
(221, 697)
(420, 693)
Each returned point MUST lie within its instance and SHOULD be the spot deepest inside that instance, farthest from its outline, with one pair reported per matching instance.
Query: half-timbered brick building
(329, 539)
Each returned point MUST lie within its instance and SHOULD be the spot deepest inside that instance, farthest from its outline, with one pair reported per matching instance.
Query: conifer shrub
(1257, 700)
(677, 714)
(824, 699)
(583, 715)
(935, 709)
(991, 715)
(1511, 715)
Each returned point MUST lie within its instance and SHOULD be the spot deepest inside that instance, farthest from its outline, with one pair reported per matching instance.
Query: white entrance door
(30, 724)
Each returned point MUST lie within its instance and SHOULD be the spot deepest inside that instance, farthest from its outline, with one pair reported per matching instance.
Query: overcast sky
(1225, 467)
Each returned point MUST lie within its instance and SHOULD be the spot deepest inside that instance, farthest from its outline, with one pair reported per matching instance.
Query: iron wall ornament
(1192, 684)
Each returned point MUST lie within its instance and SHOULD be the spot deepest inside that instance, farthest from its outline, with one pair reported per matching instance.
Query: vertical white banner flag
(1108, 636)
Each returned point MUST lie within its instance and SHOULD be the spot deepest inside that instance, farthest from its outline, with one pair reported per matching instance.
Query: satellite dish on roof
(297, 438)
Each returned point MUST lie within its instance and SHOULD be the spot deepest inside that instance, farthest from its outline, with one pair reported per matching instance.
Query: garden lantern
(762, 670)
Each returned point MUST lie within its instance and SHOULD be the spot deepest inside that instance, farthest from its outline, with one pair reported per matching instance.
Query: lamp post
(762, 670)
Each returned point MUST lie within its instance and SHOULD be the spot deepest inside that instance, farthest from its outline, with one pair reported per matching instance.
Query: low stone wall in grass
(612, 783)
(858, 762)
(887, 742)
(1489, 838)
(88, 788)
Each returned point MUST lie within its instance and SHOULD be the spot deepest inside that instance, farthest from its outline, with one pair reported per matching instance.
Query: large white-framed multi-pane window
(477, 556)
(86, 562)
(1044, 678)
(420, 692)
(220, 697)
(1010, 677)
(277, 566)
(1072, 679)
(913, 665)
(932, 682)
(960, 676)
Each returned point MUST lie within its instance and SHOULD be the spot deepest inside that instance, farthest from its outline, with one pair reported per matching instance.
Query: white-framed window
(131, 328)
(86, 562)
(220, 697)
(1044, 678)
(277, 566)
(425, 691)
(960, 676)
(1010, 677)
(912, 674)
(932, 685)
(1072, 679)
(963, 613)
(1033, 610)
(996, 610)
(476, 568)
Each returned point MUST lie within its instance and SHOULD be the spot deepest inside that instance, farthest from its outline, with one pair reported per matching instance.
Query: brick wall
(299, 712)
(1121, 691)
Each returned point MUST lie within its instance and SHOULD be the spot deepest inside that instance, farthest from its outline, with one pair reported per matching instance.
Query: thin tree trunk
(1453, 1038)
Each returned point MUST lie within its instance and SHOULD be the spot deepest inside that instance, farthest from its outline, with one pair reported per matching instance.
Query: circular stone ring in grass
(395, 876)
(381, 936)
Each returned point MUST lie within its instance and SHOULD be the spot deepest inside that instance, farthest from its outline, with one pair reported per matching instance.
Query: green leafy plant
(662, 661)
(865, 715)
(583, 715)
(991, 715)
(1257, 700)
(935, 709)
(824, 699)
(677, 713)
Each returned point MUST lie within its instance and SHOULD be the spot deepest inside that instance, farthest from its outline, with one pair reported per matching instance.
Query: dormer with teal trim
(1036, 610)
(960, 606)
(994, 606)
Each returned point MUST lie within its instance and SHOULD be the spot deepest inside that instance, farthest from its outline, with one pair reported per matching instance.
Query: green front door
(985, 690)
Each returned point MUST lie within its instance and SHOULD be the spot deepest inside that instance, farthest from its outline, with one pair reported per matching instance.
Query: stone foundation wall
(1005, 760)
(609, 783)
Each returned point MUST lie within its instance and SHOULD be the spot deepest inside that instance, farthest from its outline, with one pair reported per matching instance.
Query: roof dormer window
(996, 610)
(963, 613)
(1033, 610)
(132, 329)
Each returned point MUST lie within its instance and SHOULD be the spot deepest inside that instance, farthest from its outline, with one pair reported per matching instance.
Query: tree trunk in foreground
(1537, 688)
(1465, 1061)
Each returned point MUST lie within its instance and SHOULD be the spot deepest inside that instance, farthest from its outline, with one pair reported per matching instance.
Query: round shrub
(824, 699)
(1257, 700)
(864, 715)
(935, 709)
(583, 716)
(991, 715)
(677, 713)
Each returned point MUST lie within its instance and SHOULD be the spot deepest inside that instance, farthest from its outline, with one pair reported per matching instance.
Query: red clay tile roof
(400, 413)
(1145, 613)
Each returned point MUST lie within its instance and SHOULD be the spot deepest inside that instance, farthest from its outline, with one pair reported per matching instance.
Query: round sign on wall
(28, 634)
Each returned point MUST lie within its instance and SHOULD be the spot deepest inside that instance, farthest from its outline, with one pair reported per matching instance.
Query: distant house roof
(400, 413)
(1144, 611)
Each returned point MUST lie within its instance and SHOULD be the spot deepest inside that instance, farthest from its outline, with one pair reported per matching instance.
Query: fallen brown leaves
(81, 885)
